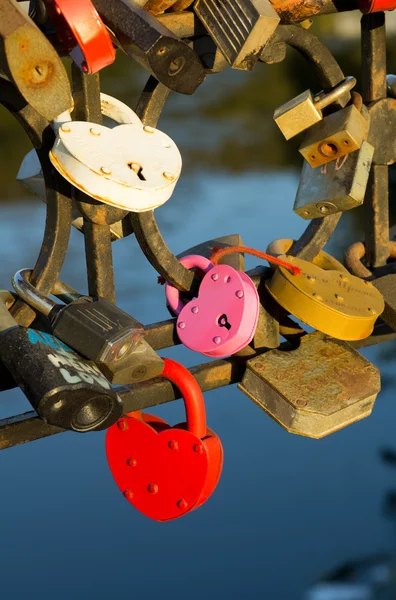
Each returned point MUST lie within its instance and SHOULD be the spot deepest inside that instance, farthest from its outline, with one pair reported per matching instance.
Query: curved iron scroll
(149, 110)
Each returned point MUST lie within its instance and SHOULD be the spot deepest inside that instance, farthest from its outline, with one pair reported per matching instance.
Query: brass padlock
(302, 112)
(322, 259)
(334, 187)
(315, 389)
(336, 135)
(331, 301)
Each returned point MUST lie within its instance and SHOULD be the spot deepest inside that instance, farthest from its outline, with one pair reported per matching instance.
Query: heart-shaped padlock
(223, 319)
(166, 471)
(131, 166)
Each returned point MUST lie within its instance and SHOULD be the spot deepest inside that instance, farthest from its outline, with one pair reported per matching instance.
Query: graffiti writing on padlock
(338, 165)
(65, 357)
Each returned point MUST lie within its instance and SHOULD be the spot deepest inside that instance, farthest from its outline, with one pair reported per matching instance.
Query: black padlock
(140, 35)
(64, 389)
(97, 329)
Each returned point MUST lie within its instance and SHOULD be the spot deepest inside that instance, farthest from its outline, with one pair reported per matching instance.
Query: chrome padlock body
(334, 187)
(305, 110)
(338, 134)
(240, 29)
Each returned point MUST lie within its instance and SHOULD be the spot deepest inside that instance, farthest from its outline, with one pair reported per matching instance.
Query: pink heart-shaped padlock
(223, 318)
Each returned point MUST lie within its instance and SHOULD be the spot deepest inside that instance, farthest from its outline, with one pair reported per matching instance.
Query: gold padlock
(315, 389)
(322, 259)
(329, 300)
(302, 112)
(338, 134)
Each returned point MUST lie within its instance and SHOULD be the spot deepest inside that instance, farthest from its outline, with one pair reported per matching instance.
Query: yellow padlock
(325, 295)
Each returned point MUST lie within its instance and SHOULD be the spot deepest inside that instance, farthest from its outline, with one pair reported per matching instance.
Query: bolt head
(239, 294)
(198, 448)
(122, 425)
(65, 128)
(195, 309)
(94, 131)
(168, 175)
(148, 129)
(217, 339)
(181, 325)
(182, 504)
(173, 445)
(152, 488)
(128, 494)
(131, 462)
(105, 170)
(215, 276)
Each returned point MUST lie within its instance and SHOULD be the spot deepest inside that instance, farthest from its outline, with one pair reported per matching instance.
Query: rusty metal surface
(335, 385)
(292, 11)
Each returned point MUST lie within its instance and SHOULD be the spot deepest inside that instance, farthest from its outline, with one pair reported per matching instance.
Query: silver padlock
(334, 187)
(239, 28)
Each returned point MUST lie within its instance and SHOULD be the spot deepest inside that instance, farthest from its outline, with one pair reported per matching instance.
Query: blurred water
(286, 508)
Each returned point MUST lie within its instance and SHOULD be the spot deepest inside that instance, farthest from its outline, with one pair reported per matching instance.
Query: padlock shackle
(173, 294)
(345, 86)
(29, 294)
(192, 395)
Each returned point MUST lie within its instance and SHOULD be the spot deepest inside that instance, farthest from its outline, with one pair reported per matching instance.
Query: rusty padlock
(82, 32)
(163, 471)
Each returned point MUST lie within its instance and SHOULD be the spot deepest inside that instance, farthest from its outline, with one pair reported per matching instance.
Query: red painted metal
(166, 472)
(371, 6)
(83, 34)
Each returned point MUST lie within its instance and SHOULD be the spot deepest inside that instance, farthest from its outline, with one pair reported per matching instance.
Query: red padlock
(82, 32)
(372, 6)
(166, 472)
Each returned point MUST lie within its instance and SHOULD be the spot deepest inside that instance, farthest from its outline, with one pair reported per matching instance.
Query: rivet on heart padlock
(223, 319)
(166, 471)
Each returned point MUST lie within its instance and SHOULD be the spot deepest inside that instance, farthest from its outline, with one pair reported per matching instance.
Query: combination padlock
(114, 112)
(305, 110)
(82, 33)
(166, 472)
(223, 318)
(241, 29)
(97, 329)
(131, 166)
(64, 389)
(334, 187)
(338, 134)
(327, 299)
(30, 61)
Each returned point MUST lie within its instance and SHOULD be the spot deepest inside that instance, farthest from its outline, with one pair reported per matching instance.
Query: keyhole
(223, 322)
(138, 169)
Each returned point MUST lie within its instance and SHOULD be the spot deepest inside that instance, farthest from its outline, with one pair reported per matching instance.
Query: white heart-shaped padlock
(131, 166)
(114, 113)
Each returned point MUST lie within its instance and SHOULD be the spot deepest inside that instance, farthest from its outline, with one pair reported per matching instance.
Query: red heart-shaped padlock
(166, 471)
